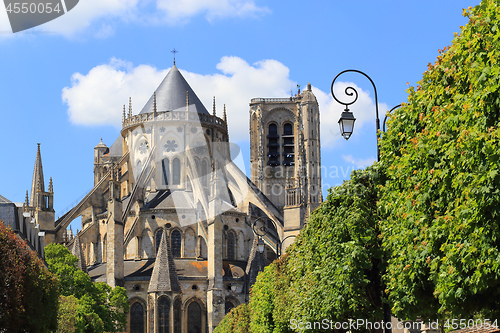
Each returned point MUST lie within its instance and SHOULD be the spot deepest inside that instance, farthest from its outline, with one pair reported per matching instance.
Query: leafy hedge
(422, 226)
(442, 199)
(28, 291)
(236, 321)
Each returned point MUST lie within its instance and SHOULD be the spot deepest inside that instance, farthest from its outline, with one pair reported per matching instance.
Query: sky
(64, 83)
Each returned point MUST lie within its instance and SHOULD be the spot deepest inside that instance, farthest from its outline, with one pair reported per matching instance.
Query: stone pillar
(114, 266)
(215, 301)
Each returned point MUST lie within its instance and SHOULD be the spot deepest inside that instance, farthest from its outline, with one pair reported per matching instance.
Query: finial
(187, 101)
(26, 200)
(123, 117)
(38, 147)
(51, 186)
(154, 102)
(174, 51)
(214, 107)
(130, 107)
(224, 116)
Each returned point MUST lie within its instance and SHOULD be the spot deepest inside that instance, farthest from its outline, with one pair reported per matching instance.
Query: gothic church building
(173, 220)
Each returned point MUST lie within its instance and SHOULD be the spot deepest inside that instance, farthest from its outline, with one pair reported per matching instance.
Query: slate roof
(4, 199)
(171, 95)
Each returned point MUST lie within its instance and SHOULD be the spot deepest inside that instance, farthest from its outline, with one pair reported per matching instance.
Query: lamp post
(346, 121)
(263, 231)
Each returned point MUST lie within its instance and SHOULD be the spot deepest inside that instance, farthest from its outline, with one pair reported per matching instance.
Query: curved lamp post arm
(385, 119)
(281, 245)
(350, 91)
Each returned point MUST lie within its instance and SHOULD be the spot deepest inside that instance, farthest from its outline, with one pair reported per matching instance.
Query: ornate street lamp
(347, 119)
(346, 123)
(262, 231)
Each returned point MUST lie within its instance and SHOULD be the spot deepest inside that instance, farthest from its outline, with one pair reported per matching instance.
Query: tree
(336, 262)
(28, 291)
(98, 308)
(441, 203)
(236, 321)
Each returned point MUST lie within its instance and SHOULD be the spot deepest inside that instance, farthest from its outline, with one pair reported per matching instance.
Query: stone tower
(285, 154)
(40, 206)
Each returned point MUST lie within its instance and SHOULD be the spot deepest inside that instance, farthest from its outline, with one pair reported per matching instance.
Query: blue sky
(64, 83)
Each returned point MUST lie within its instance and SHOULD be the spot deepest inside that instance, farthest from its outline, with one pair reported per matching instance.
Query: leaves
(454, 196)
(28, 291)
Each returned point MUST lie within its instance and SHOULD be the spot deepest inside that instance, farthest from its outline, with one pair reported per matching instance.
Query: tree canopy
(28, 291)
(442, 199)
(97, 307)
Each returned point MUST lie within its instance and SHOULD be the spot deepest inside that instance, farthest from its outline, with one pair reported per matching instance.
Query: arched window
(273, 146)
(177, 315)
(194, 318)
(158, 235)
(176, 172)
(231, 244)
(228, 306)
(137, 318)
(104, 249)
(163, 314)
(288, 145)
(175, 242)
(165, 168)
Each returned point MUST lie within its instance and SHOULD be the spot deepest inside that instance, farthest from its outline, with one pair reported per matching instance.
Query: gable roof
(171, 95)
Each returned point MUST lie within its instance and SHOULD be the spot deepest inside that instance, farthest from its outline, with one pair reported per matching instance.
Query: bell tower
(285, 154)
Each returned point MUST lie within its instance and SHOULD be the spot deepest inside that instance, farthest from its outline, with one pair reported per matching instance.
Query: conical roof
(171, 95)
(78, 252)
(164, 277)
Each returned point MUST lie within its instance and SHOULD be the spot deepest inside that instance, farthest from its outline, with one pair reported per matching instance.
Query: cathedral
(172, 219)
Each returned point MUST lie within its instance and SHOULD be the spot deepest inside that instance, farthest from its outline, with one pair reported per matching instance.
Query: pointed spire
(27, 200)
(123, 117)
(213, 108)
(224, 116)
(78, 252)
(130, 107)
(164, 277)
(51, 186)
(37, 184)
(154, 102)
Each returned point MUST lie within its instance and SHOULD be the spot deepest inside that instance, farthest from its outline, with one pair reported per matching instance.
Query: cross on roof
(174, 51)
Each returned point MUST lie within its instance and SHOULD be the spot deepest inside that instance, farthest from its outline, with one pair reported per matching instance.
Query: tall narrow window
(176, 172)
(288, 145)
(175, 241)
(165, 168)
(163, 314)
(194, 318)
(228, 306)
(273, 146)
(231, 243)
(158, 235)
(177, 315)
(137, 318)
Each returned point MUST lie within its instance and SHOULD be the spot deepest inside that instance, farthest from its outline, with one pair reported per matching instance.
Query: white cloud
(359, 163)
(99, 17)
(97, 98)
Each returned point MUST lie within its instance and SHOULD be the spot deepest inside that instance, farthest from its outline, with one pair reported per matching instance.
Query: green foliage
(442, 201)
(28, 291)
(66, 315)
(99, 308)
(335, 262)
(269, 300)
(236, 321)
